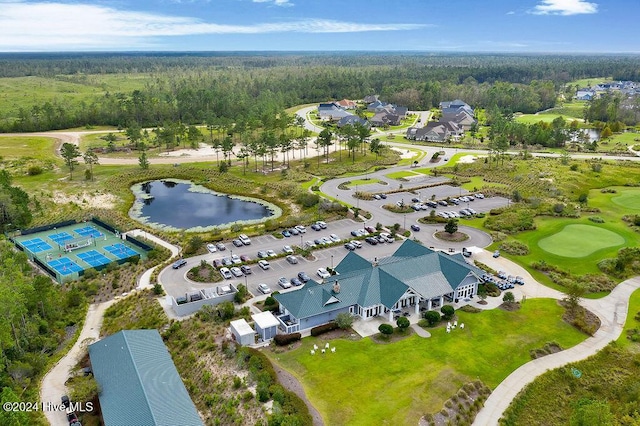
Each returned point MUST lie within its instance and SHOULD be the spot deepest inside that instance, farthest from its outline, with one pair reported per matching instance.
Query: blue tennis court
(88, 231)
(61, 237)
(121, 251)
(94, 258)
(36, 245)
(65, 266)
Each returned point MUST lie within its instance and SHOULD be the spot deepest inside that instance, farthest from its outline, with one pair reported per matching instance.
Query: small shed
(266, 325)
(242, 332)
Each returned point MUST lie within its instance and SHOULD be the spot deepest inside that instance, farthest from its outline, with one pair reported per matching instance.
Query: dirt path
(53, 384)
(289, 381)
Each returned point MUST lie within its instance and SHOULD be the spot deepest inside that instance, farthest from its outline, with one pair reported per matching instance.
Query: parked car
(271, 253)
(357, 244)
(472, 211)
(383, 196)
(370, 229)
(286, 233)
(316, 227)
(292, 259)
(323, 273)
(301, 229)
(519, 280)
(349, 246)
(377, 197)
(226, 273)
(415, 228)
(455, 201)
(245, 258)
(262, 254)
(287, 249)
(246, 269)
(236, 259)
(179, 263)
(237, 272)
(226, 261)
(303, 277)
(294, 231)
(380, 239)
(431, 204)
(388, 238)
(244, 239)
(443, 203)
(264, 265)
(283, 282)
(415, 200)
(466, 253)
(237, 243)
(72, 417)
(309, 244)
(479, 195)
(371, 241)
(221, 246)
(217, 263)
(502, 275)
(496, 253)
(325, 240)
(334, 238)
(355, 233)
(212, 248)
(318, 241)
(264, 289)
(65, 401)
(322, 224)
(296, 282)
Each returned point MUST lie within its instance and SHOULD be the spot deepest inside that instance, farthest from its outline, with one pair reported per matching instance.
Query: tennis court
(120, 251)
(94, 258)
(36, 245)
(88, 231)
(65, 266)
(61, 237)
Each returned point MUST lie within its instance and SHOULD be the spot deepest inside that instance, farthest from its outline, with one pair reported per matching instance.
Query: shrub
(386, 329)
(573, 167)
(34, 170)
(285, 339)
(447, 312)
(307, 199)
(432, 318)
(508, 297)
(324, 328)
(596, 219)
(344, 320)
(515, 248)
(403, 323)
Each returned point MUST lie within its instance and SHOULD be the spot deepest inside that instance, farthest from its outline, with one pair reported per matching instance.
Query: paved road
(612, 311)
(53, 384)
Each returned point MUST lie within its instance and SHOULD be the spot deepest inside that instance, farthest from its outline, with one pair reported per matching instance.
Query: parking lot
(176, 284)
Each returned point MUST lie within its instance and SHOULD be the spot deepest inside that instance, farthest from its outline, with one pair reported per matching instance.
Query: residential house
(455, 104)
(585, 94)
(347, 104)
(370, 98)
(139, 384)
(353, 120)
(413, 278)
(432, 132)
(376, 106)
(461, 118)
(331, 112)
(385, 118)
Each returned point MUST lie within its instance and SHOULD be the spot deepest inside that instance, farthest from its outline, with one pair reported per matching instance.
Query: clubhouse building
(414, 278)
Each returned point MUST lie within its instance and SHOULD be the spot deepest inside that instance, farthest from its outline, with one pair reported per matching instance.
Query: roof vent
(336, 287)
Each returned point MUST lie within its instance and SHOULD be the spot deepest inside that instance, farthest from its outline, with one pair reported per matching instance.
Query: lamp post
(301, 247)
(357, 198)
(404, 226)
(332, 264)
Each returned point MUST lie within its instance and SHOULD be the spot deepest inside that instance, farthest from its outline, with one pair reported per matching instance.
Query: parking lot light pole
(404, 226)
(301, 242)
(332, 263)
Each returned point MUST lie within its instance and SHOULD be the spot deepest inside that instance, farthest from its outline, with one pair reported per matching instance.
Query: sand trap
(101, 201)
(466, 159)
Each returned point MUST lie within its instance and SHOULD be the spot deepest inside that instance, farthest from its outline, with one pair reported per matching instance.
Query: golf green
(629, 199)
(580, 241)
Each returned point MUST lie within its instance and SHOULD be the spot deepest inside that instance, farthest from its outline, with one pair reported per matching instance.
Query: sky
(527, 26)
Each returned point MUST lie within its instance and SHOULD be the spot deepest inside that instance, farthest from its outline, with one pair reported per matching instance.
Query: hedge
(285, 339)
(324, 328)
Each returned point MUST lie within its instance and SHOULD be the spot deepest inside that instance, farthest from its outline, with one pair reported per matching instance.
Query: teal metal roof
(139, 382)
(429, 273)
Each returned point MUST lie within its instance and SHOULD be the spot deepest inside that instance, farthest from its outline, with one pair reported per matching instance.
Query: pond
(173, 204)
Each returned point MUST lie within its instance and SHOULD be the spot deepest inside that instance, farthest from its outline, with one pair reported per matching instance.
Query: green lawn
(546, 118)
(402, 174)
(363, 182)
(578, 241)
(573, 110)
(367, 383)
(14, 147)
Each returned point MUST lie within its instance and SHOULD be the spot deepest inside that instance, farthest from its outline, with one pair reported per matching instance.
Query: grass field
(40, 148)
(579, 241)
(402, 174)
(535, 118)
(361, 182)
(572, 110)
(366, 383)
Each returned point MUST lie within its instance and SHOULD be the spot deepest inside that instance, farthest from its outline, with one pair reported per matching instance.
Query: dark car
(179, 263)
(415, 200)
(316, 227)
(415, 228)
(245, 258)
(371, 241)
(349, 246)
(218, 263)
(383, 196)
(370, 229)
(71, 417)
(65, 401)
(245, 269)
(286, 233)
(303, 277)
(237, 243)
(221, 246)
(296, 281)
(355, 233)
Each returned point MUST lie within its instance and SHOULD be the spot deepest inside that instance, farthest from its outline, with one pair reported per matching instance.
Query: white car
(271, 253)
(236, 259)
(334, 238)
(301, 229)
(237, 272)
(226, 273)
(480, 195)
(388, 238)
(212, 248)
(244, 239)
(263, 264)
(264, 289)
(309, 244)
(356, 243)
(321, 224)
(287, 249)
(323, 273)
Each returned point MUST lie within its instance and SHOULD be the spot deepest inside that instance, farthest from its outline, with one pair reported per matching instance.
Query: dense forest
(205, 88)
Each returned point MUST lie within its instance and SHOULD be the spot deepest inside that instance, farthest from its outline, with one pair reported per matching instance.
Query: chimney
(336, 287)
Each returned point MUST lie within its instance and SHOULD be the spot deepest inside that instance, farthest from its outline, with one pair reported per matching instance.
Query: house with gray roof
(385, 118)
(352, 120)
(331, 111)
(414, 277)
(139, 384)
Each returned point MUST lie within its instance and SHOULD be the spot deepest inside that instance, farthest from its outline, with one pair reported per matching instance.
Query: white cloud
(565, 7)
(511, 12)
(283, 3)
(47, 26)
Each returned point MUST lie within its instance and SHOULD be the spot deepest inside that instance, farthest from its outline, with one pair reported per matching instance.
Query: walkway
(53, 384)
(145, 279)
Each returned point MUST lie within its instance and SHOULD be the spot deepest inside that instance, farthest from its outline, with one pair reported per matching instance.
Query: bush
(344, 320)
(447, 312)
(403, 323)
(509, 297)
(324, 328)
(515, 248)
(432, 318)
(285, 339)
(34, 170)
(596, 219)
(386, 329)
(307, 199)
(511, 221)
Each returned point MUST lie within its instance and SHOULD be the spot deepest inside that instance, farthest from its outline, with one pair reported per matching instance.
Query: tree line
(253, 88)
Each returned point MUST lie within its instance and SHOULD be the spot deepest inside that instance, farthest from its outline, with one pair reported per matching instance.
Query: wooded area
(254, 88)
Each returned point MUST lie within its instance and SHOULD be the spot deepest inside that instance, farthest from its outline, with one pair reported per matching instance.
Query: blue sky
(572, 26)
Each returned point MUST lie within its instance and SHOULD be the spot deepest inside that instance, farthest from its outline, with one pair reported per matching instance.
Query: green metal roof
(139, 382)
(429, 273)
